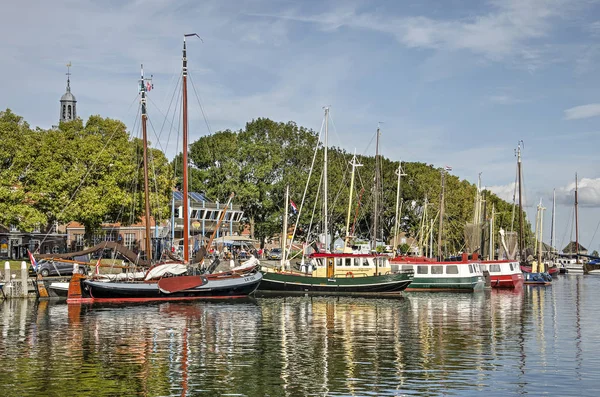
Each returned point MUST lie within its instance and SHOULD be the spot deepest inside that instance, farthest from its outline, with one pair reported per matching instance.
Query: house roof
(194, 196)
(141, 223)
(572, 248)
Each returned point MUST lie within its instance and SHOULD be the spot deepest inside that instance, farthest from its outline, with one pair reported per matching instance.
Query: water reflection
(502, 342)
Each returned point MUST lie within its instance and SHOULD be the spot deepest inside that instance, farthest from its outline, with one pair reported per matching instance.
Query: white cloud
(505, 30)
(588, 193)
(583, 111)
(505, 192)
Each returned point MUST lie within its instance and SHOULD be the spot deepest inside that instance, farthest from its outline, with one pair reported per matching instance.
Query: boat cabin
(348, 265)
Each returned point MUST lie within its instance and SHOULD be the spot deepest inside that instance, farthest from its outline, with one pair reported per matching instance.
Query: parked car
(275, 253)
(48, 267)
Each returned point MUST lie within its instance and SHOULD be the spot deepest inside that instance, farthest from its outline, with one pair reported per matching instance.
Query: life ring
(350, 274)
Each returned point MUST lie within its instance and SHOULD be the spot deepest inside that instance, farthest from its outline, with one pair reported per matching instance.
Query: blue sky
(455, 82)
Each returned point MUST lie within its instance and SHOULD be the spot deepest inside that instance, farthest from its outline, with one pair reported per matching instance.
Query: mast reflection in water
(532, 341)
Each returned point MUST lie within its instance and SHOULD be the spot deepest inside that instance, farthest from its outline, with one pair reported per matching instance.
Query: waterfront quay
(535, 341)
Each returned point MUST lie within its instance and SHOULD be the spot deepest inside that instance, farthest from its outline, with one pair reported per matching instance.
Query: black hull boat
(289, 283)
(213, 286)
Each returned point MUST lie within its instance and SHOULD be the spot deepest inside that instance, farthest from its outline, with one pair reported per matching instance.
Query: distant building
(571, 248)
(204, 215)
(14, 243)
(68, 103)
(131, 236)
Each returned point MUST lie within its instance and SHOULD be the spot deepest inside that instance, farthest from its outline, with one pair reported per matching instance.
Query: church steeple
(68, 102)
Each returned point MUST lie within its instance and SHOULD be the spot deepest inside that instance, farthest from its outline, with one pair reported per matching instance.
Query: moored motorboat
(339, 274)
(433, 276)
(503, 273)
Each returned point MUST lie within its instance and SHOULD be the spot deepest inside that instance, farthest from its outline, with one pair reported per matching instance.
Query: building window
(176, 213)
(14, 228)
(36, 228)
(69, 112)
(129, 240)
(78, 242)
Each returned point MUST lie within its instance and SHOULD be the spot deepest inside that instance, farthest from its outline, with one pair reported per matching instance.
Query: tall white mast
(400, 175)
(354, 163)
(325, 208)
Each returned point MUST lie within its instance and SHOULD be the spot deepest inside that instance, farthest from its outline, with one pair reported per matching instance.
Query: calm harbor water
(538, 341)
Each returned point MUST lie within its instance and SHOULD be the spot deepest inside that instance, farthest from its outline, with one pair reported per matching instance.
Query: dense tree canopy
(257, 162)
(92, 173)
(87, 173)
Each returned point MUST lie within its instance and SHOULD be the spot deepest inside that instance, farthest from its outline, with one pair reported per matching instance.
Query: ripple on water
(533, 341)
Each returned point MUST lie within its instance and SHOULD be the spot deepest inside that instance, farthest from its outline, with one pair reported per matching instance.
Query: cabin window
(470, 268)
(338, 261)
(319, 262)
(422, 269)
(451, 269)
(511, 267)
(370, 262)
(357, 262)
(348, 261)
(484, 268)
(407, 267)
(495, 268)
(437, 270)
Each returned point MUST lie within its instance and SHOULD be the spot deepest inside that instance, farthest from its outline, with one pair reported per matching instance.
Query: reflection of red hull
(552, 271)
(507, 281)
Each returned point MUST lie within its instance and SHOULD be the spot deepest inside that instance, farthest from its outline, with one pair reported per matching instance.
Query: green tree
(88, 173)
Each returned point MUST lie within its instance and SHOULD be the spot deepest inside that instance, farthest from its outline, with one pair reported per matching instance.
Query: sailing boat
(504, 273)
(171, 280)
(575, 265)
(533, 272)
(344, 273)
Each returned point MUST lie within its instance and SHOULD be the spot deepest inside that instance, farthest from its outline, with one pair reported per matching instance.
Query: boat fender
(350, 274)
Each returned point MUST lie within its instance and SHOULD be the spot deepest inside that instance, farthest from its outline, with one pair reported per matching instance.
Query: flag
(148, 86)
(32, 259)
(448, 168)
(294, 208)
(98, 265)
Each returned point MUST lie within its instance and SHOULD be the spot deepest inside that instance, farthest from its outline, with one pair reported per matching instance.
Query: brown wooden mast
(186, 221)
(146, 184)
(522, 256)
(376, 191)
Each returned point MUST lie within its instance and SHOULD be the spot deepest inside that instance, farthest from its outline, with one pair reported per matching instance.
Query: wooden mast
(521, 237)
(146, 184)
(186, 215)
(376, 191)
(186, 221)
